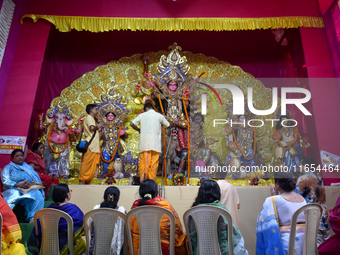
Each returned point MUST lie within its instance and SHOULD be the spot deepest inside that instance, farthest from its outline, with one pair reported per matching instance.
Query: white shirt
(150, 130)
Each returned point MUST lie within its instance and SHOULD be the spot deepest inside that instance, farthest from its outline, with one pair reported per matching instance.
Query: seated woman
(148, 192)
(111, 198)
(332, 245)
(209, 194)
(34, 159)
(273, 223)
(311, 187)
(19, 175)
(11, 233)
(61, 196)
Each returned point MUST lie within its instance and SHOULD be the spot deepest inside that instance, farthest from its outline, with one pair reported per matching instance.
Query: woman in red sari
(34, 158)
(148, 191)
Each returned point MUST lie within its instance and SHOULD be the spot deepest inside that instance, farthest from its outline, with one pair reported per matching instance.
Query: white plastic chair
(104, 220)
(313, 215)
(149, 220)
(49, 222)
(205, 218)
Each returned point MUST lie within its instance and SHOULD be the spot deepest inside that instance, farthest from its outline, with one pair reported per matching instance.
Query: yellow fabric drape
(101, 24)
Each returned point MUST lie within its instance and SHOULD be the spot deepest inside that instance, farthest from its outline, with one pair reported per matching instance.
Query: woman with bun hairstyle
(148, 191)
(111, 198)
(273, 223)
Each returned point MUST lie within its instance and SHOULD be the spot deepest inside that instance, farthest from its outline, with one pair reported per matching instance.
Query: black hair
(288, 123)
(36, 146)
(147, 186)
(148, 105)
(285, 181)
(16, 151)
(111, 198)
(89, 108)
(209, 192)
(109, 113)
(59, 193)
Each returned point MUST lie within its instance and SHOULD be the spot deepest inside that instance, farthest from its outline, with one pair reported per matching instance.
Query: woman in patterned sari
(11, 232)
(210, 194)
(273, 223)
(61, 196)
(17, 178)
(148, 191)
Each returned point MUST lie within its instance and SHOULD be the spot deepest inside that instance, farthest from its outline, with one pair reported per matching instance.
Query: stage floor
(182, 197)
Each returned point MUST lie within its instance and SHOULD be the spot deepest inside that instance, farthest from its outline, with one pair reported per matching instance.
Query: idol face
(110, 116)
(172, 86)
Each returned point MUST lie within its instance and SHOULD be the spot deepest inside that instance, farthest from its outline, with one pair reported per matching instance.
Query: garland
(111, 159)
(186, 114)
(164, 145)
(291, 144)
(238, 146)
(49, 143)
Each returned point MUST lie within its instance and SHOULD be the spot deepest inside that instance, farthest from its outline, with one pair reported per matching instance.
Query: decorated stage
(182, 197)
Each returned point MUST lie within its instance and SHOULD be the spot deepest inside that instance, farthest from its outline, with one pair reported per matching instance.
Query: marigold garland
(238, 146)
(186, 114)
(101, 153)
(49, 143)
(164, 145)
(291, 144)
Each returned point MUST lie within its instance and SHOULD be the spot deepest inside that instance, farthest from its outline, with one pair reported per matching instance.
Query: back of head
(148, 106)
(285, 180)
(60, 193)
(111, 198)
(209, 192)
(148, 189)
(36, 146)
(89, 107)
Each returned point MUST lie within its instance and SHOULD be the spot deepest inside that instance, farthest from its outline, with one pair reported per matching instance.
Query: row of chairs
(149, 217)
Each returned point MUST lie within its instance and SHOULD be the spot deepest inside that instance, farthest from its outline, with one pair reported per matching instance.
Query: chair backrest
(205, 218)
(49, 221)
(149, 221)
(313, 214)
(104, 222)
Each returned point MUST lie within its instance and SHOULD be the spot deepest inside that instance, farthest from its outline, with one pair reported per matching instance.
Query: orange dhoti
(148, 164)
(88, 167)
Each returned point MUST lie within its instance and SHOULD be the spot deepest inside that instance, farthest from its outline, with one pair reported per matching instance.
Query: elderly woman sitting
(22, 185)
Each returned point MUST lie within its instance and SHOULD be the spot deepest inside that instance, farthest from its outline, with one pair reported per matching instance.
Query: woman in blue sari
(18, 178)
(61, 196)
(273, 223)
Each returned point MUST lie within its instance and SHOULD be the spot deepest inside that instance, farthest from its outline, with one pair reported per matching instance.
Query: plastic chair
(149, 221)
(206, 218)
(104, 220)
(49, 221)
(312, 214)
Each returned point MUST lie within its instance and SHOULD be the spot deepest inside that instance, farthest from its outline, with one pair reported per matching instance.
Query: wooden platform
(182, 197)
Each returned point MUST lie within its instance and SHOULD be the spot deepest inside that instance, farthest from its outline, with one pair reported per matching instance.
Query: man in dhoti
(150, 140)
(90, 159)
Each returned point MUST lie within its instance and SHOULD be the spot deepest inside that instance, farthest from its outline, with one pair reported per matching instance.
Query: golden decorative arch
(123, 75)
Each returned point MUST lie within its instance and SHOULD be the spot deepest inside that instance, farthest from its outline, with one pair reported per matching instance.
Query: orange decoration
(186, 114)
(291, 144)
(164, 146)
